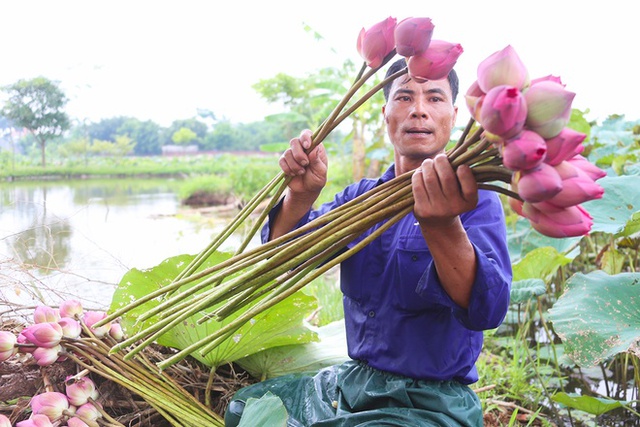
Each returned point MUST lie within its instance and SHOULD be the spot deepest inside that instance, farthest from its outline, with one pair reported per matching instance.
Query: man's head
(419, 116)
(402, 63)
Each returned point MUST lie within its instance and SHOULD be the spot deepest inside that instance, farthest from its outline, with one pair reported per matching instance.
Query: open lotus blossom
(537, 184)
(43, 334)
(79, 390)
(37, 420)
(71, 308)
(7, 345)
(413, 36)
(4, 421)
(503, 111)
(44, 314)
(435, 63)
(51, 403)
(377, 42)
(564, 146)
(502, 68)
(525, 151)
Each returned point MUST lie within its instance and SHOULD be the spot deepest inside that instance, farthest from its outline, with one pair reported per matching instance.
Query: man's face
(419, 118)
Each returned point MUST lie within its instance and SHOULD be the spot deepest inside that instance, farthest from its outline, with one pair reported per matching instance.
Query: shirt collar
(389, 174)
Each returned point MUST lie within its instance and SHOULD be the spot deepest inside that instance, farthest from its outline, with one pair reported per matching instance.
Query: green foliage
(266, 411)
(590, 404)
(184, 136)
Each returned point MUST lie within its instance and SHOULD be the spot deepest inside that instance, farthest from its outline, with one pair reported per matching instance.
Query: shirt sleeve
(490, 294)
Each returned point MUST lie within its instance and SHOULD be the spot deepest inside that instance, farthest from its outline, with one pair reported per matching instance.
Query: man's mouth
(419, 131)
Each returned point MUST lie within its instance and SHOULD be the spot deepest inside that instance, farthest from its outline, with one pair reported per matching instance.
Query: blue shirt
(398, 317)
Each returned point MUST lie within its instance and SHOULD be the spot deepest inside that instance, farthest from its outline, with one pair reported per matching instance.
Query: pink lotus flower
(77, 422)
(413, 35)
(587, 167)
(503, 111)
(37, 420)
(577, 187)
(435, 63)
(89, 412)
(116, 332)
(549, 108)
(92, 317)
(564, 146)
(525, 151)
(377, 42)
(43, 334)
(45, 314)
(4, 421)
(71, 308)
(46, 356)
(24, 345)
(473, 99)
(537, 184)
(7, 345)
(571, 221)
(52, 404)
(70, 327)
(502, 68)
(79, 390)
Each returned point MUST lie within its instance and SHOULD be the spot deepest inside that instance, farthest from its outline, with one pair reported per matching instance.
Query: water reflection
(78, 238)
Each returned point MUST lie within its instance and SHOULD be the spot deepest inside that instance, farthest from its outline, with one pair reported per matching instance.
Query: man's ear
(383, 113)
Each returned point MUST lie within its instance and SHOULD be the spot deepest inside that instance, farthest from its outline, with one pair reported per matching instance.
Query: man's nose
(419, 109)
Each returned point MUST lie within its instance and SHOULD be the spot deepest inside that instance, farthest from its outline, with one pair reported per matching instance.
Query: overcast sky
(162, 60)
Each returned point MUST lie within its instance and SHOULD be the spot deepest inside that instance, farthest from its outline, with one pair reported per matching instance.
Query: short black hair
(402, 63)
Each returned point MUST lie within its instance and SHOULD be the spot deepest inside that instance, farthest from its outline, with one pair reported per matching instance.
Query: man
(416, 299)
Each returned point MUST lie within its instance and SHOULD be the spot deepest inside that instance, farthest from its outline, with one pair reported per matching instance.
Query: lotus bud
(70, 327)
(45, 314)
(503, 111)
(37, 420)
(8, 343)
(587, 167)
(79, 390)
(89, 412)
(549, 77)
(4, 421)
(549, 108)
(502, 68)
(71, 308)
(43, 334)
(577, 186)
(435, 63)
(537, 184)
(525, 151)
(473, 99)
(46, 356)
(116, 332)
(51, 404)
(571, 221)
(377, 42)
(92, 317)
(413, 35)
(78, 422)
(24, 345)
(564, 146)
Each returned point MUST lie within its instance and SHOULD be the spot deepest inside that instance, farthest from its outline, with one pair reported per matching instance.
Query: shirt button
(414, 257)
(372, 313)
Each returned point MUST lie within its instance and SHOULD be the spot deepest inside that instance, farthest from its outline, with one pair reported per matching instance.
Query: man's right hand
(308, 171)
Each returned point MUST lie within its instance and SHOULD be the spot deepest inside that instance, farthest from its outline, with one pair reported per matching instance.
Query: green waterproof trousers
(354, 394)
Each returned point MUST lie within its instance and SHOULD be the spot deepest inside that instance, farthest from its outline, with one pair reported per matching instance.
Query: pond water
(78, 238)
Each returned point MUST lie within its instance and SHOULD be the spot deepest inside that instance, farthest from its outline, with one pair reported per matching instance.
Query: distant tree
(147, 136)
(199, 129)
(184, 136)
(107, 129)
(38, 106)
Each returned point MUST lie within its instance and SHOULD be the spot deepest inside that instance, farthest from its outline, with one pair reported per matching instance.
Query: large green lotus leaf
(618, 211)
(523, 291)
(540, 263)
(590, 404)
(280, 325)
(305, 358)
(598, 316)
(265, 411)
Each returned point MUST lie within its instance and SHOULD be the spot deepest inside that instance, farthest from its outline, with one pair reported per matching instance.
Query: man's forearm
(293, 209)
